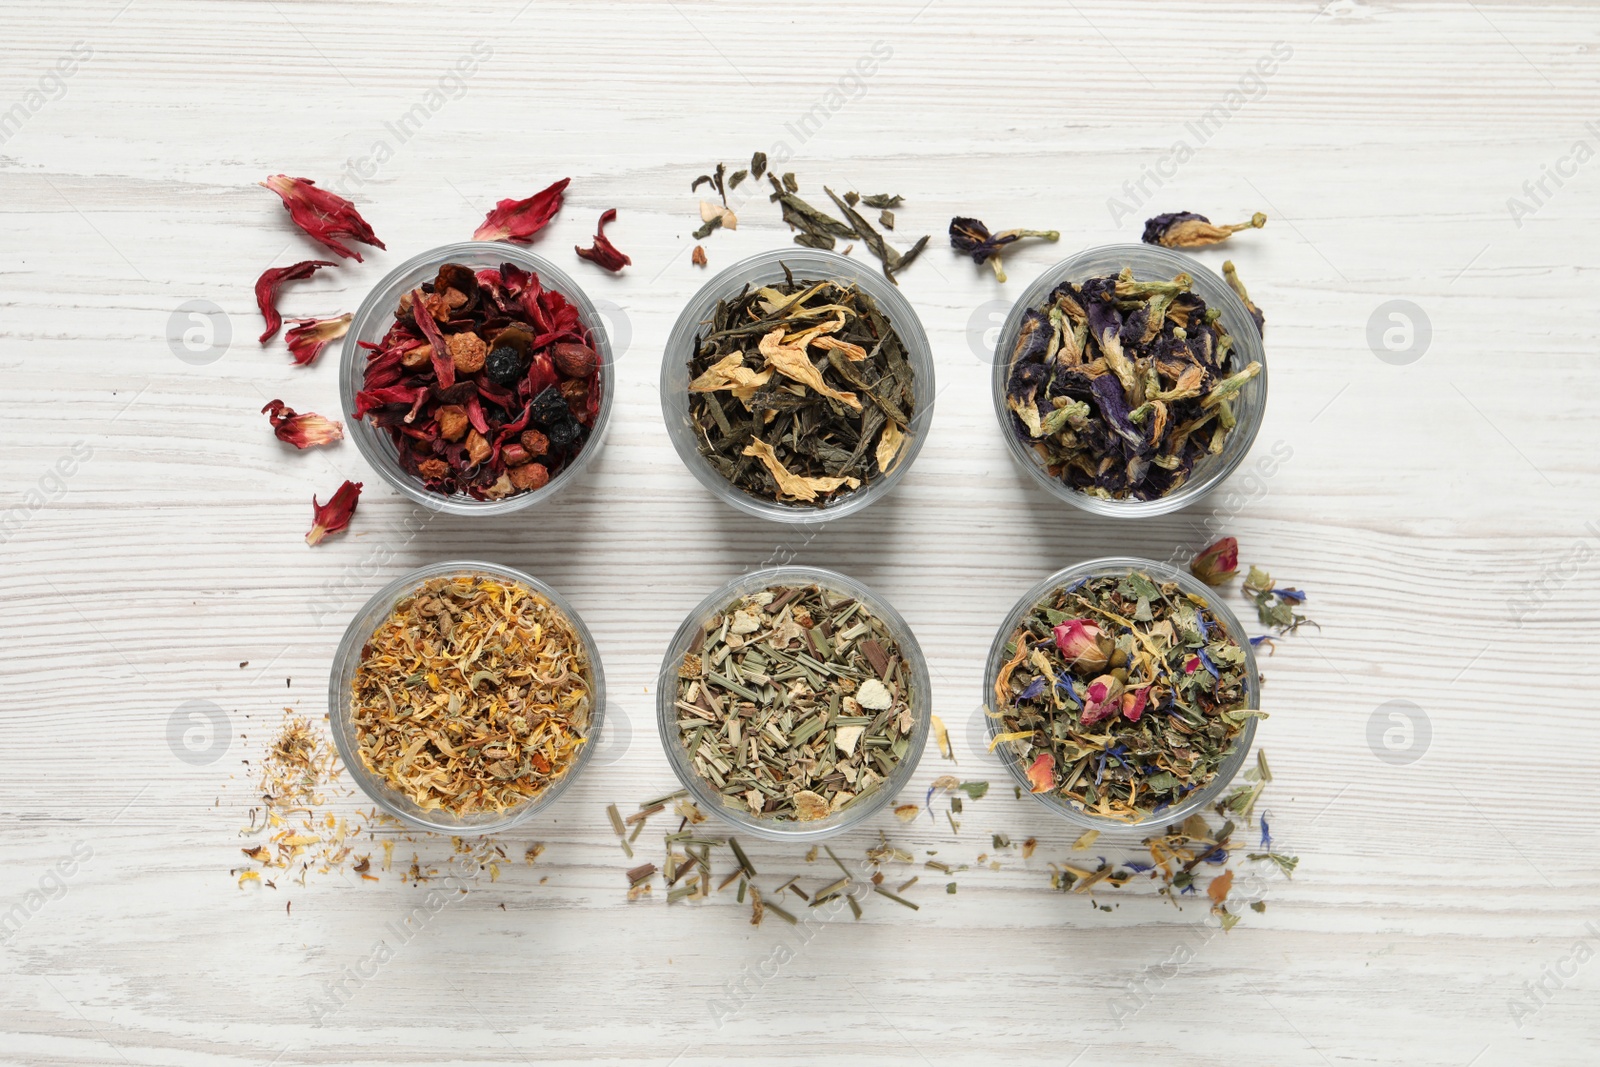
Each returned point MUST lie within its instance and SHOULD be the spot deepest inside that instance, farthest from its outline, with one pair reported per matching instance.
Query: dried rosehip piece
(487, 382)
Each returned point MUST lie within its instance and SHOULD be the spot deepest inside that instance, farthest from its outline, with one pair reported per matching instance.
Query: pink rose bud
(1079, 642)
(1104, 699)
(1218, 563)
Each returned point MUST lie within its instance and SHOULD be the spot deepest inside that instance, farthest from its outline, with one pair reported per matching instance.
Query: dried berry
(564, 434)
(530, 476)
(535, 442)
(575, 361)
(505, 366)
(549, 408)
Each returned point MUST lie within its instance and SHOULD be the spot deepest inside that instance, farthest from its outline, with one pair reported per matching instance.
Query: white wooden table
(1439, 506)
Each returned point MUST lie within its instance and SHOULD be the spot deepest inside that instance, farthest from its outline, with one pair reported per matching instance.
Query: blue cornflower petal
(1205, 661)
(1266, 834)
(1293, 596)
(1139, 868)
(1034, 690)
(1255, 642)
(1072, 694)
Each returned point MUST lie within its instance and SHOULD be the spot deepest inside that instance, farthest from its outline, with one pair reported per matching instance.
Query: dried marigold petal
(302, 431)
(271, 283)
(335, 514)
(603, 253)
(309, 337)
(519, 220)
(324, 216)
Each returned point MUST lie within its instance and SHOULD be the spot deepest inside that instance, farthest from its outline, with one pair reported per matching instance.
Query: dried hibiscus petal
(271, 283)
(603, 252)
(324, 216)
(309, 337)
(519, 220)
(302, 431)
(335, 514)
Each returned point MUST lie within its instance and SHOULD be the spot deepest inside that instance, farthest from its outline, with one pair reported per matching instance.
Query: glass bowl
(348, 658)
(1016, 764)
(704, 793)
(765, 269)
(1149, 263)
(373, 319)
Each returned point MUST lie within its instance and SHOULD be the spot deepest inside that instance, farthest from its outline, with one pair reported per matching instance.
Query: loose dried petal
(1185, 229)
(792, 362)
(698, 256)
(302, 431)
(1218, 563)
(271, 283)
(324, 216)
(603, 253)
(794, 485)
(309, 337)
(519, 220)
(335, 514)
(1042, 773)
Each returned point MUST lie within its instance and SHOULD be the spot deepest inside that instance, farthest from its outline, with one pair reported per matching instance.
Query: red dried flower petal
(1133, 703)
(519, 220)
(443, 366)
(1042, 774)
(310, 336)
(335, 514)
(271, 283)
(324, 216)
(604, 253)
(302, 431)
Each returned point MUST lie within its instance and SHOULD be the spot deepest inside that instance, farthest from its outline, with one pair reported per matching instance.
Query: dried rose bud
(535, 442)
(1079, 641)
(271, 283)
(335, 514)
(514, 454)
(1185, 229)
(519, 220)
(309, 337)
(1104, 699)
(1042, 773)
(323, 215)
(530, 476)
(603, 253)
(575, 361)
(302, 431)
(1217, 564)
(453, 422)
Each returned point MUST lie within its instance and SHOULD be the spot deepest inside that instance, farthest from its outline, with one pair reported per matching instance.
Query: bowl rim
(348, 653)
(852, 815)
(378, 307)
(826, 264)
(1231, 765)
(1217, 293)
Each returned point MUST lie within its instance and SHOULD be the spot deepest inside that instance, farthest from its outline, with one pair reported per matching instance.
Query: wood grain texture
(1438, 512)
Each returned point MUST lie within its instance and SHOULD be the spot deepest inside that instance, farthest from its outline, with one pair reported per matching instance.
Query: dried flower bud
(1185, 229)
(1079, 641)
(335, 514)
(310, 336)
(1104, 699)
(271, 283)
(1217, 564)
(323, 215)
(603, 253)
(519, 220)
(575, 361)
(302, 431)
(971, 237)
(530, 476)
